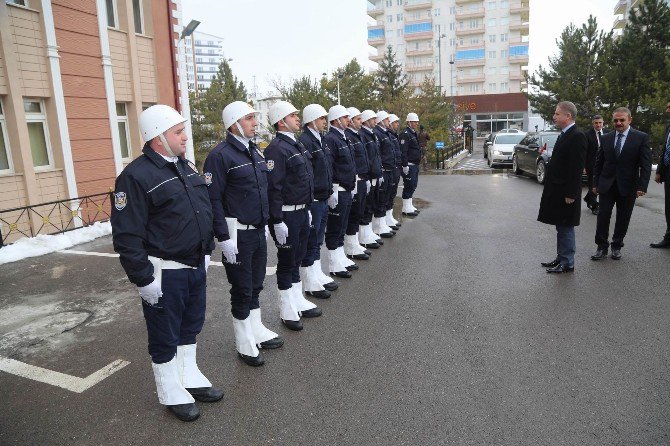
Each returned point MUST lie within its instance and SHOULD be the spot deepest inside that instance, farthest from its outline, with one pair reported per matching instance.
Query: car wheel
(515, 166)
(541, 171)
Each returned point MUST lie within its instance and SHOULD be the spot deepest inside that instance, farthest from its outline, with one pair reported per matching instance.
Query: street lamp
(451, 77)
(439, 57)
(339, 76)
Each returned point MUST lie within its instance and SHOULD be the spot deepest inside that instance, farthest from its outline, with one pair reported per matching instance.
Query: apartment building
(476, 50)
(622, 10)
(204, 53)
(74, 77)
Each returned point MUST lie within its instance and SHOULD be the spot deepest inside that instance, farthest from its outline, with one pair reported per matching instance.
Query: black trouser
(666, 186)
(337, 221)
(590, 198)
(393, 192)
(247, 274)
(358, 205)
(624, 210)
(290, 254)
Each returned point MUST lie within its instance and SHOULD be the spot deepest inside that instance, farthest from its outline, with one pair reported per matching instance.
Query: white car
(502, 149)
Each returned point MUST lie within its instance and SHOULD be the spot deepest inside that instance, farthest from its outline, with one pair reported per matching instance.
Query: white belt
(292, 207)
(234, 225)
(411, 164)
(341, 189)
(168, 264)
(374, 182)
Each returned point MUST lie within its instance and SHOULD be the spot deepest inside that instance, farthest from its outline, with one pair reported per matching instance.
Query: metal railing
(54, 217)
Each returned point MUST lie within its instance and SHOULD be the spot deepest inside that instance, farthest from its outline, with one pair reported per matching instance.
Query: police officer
(387, 161)
(290, 192)
(352, 248)
(236, 174)
(394, 123)
(344, 182)
(411, 157)
(162, 230)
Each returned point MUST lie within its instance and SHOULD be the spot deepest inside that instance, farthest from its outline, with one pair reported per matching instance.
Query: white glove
(309, 214)
(332, 200)
(208, 259)
(281, 233)
(380, 181)
(369, 186)
(151, 293)
(353, 193)
(405, 170)
(229, 249)
(267, 232)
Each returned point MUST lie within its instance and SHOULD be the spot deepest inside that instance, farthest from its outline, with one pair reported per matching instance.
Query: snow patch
(45, 244)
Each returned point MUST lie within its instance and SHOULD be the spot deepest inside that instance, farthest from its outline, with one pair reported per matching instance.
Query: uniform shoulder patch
(208, 178)
(402, 141)
(120, 200)
(271, 164)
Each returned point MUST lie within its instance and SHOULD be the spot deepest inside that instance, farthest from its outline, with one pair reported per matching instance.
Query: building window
(122, 123)
(436, 12)
(492, 54)
(5, 155)
(503, 54)
(492, 22)
(492, 5)
(504, 86)
(38, 132)
(138, 17)
(504, 4)
(389, 18)
(399, 32)
(492, 38)
(452, 26)
(111, 13)
(17, 2)
(504, 70)
(504, 21)
(452, 10)
(492, 86)
(399, 17)
(504, 37)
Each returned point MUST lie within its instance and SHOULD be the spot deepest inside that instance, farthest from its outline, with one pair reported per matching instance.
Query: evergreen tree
(302, 92)
(356, 87)
(390, 81)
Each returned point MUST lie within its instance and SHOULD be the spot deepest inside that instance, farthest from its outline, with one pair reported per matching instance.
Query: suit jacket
(661, 167)
(631, 169)
(592, 150)
(564, 179)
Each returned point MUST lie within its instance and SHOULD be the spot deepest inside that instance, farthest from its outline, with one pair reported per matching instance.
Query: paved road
(451, 334)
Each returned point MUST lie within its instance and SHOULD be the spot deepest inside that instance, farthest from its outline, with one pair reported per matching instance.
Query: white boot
(343, 257)
(390, 221)
(190, 375)
(335, 264)
(244, 337)
(383, 226)
(260, 331)
(310, 281)
(168, 385)
(407, 207)
(366, 236)
(358, 249)
(299, 301)
(411, 204)
(287, 309)
(350, 245)
(318, 273)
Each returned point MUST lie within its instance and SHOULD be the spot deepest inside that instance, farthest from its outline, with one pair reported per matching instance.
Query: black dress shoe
(359, 257)
(387, 234)
(321, 294)
(380, 242)
(368, 253)
(273, 343)
(292, 325)
(599, 255)
(206, 394)
(410, 214)
(342, 274)
(312, 312)
(662, 244)
(616, 254)
(331, 286)
(353, 267)
(251, 360)
(594, 210)
(558, 269)
(551, 264)
(372, 245)
(394, 227)
(185, 412)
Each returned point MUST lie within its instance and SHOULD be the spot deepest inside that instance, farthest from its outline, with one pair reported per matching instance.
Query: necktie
(666, 157)
(617, 146)
(598, 135)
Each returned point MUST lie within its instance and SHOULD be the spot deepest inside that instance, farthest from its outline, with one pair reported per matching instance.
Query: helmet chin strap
(242, 135)
(167, 147)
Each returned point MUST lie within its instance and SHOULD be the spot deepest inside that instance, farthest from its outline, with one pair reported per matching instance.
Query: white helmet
(313, 112)
(336, 112)
(280, 110)
(158, 118)
(393, 118)
(412, 117)
(381, 115)
(353, 112)
(368, 114)
(234, 112)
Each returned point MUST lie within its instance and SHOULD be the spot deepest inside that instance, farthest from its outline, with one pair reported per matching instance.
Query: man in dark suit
(560, 205)
(593, 136)
(621, 174)
(663, 176)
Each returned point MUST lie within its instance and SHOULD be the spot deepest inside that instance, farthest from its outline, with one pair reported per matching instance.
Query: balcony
(619, 23)
(462, 2)
(469, 46)
(620, 7)
(470, 63)
(375, 9)
(470, 31)
(411, 5)
(419, 67)
(517, 41)
(519, 8)
(469, 13)
(470, 78)
(418, 30)
(420, 52)
(374, 41)
(376, 57)
(519, 75)
(518, 60)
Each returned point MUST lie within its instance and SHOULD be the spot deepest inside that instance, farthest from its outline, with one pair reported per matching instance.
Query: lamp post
(185, 106)
(439, 57)
(339, 76)
(451, 77)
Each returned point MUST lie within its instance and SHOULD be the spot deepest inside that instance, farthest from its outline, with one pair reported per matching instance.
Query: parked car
(488, 140)
(533, 153)
(502, 148)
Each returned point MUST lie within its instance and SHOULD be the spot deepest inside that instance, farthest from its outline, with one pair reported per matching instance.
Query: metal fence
(54, 217)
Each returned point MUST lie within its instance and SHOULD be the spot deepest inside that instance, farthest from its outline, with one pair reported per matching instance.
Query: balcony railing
(419, 67)
(469, 13)
(417, 4)
(470, 31)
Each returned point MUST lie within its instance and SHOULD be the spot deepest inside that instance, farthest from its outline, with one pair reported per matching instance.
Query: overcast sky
(286, 39)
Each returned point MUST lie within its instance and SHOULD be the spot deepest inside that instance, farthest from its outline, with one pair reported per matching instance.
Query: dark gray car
(533, 153)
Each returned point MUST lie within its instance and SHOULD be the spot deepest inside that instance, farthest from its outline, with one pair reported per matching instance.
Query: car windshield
(550, 140)
(509, 139)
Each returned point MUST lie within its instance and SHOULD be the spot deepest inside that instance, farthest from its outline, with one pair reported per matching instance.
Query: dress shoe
(312, 312)
(185, 412)
(359, 257)
(380, 242)
(387, 234)
(352, 267)
(665, 243)
(292, 325)
(551, 264)
(331, 286)
(558, 269)
(367, 253)
(372, 245)
(322, 294)
(273, 343)
(599, 255)
(206, 394)
(616, 254)
(394, 227)
(251, 360)
(410, 214)
(342, 274)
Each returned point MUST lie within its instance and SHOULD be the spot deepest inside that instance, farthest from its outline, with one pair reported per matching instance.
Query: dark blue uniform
(323, 188)
(344, 175)
(396, 169)
(373, 205)
(363, 173)
(237, 184)
(411, 156)
(162, 209)
(290, 192)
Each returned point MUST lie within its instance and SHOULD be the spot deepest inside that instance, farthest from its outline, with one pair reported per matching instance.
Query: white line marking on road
(269, 270)
(67, 382)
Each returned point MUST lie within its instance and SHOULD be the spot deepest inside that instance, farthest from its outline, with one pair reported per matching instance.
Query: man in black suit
(560, 205)
(593, 136)
(621, 174)
(663, 176)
